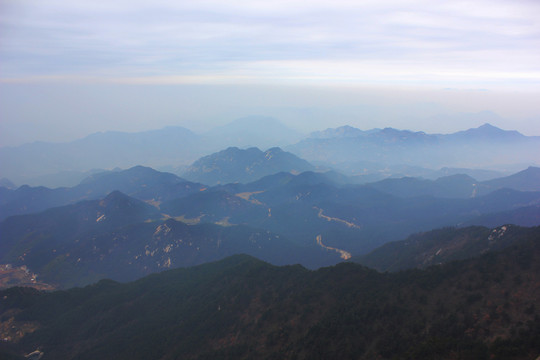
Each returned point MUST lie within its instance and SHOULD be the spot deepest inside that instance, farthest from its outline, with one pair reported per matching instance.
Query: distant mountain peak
(491, 129)
(488, 126)
(342, 131)
(118, 200)
(117, 195)
(140, 169)
(235, 151)
(391, 130)
(347, 128)
(525, 180)
(131, 175)
(487, 132)
(244, 165)
(457, 180)
(117, 206)
(274, 150)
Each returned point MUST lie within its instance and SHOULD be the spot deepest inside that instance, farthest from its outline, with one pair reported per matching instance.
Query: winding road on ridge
(328, 218)
(344, 254)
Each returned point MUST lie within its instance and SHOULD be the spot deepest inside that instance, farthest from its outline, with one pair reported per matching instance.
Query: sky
(70, 68)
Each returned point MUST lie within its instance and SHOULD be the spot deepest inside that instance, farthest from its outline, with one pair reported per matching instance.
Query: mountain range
(368, 155)
(242, 308)
(171, 147)
(364, 244)
(459, 185)
(140, 182)
(244, 166)
(122, 238)
(74, 236)
(315, 218)
(101, 150)
(357, 152)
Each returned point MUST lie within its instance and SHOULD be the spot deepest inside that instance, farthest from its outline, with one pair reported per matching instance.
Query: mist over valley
(269, 180)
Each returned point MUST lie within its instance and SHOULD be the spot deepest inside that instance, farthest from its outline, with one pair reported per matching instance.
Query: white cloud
(401, 41)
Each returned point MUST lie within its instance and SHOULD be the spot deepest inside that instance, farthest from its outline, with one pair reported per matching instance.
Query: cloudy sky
(68, 68)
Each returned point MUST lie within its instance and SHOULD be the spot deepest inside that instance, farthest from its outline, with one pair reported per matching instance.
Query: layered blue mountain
(60, 179)
(25, 236)
(524, 215)
(307, 205)
(478, 174)
(526, 180)
(454, 186)
(239, 165)
(101, 150)
(140, 182)
(311, 207)
(313, 217)
(370, 155)
(459, 185)
(363, 152)
(171, 148)
(342, 132)
(27, 200)
(486, 132)
(123, 238)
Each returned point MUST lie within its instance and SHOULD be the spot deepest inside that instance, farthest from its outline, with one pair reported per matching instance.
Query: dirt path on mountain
(328, 218)
(343, 254)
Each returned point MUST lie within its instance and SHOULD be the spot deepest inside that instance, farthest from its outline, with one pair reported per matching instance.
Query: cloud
(401, 41)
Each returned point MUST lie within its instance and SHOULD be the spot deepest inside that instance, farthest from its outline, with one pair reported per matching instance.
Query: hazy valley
(269, 180)
(463, 240)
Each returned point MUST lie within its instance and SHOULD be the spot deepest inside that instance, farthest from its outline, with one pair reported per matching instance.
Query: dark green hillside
(444, 245)
(242, 308)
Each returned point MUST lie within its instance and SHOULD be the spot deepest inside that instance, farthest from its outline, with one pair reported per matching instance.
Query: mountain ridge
(243, 165)
(175, 147)
(124, 238)
(243, 308)
(141, 182)
(444, 245)
(484, 147)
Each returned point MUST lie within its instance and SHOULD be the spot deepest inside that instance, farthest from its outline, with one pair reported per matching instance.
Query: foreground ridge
(243, 308)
